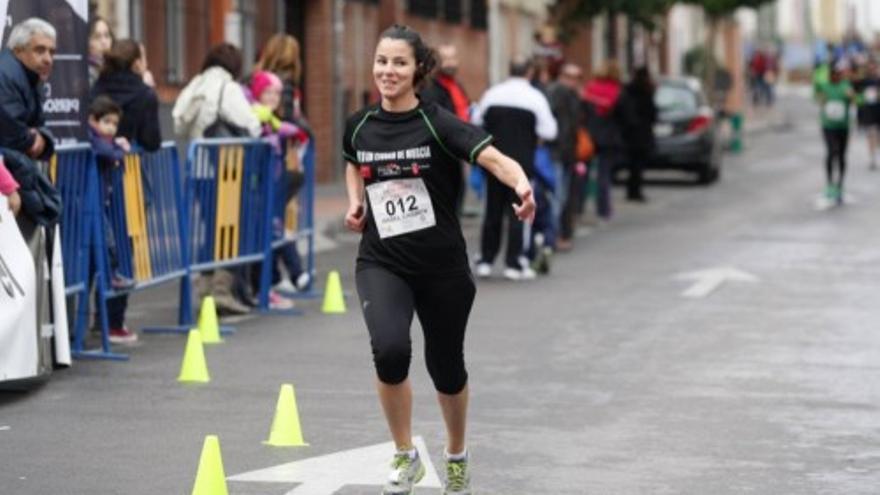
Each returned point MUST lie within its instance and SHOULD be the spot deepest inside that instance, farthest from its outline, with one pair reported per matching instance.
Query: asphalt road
(599, 379)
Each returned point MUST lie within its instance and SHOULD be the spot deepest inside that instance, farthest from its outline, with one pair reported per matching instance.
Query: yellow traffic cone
(286, 431)
(210, 478)
(208, 325)
(334, 302)
(194, 369)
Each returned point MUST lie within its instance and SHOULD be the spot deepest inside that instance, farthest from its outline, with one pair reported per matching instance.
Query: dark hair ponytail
(426, 58)
(121, 56)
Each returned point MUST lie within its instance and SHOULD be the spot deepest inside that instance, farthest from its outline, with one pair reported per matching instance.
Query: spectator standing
(266, 89)
(447, 92)
(444, 89)
(281, 56)
(517, 115)
(122, 80)
(214, 97)
(640, 138)
(565, 104)
(109, 150)
(608, 114)
(100, 42)
(25, 65)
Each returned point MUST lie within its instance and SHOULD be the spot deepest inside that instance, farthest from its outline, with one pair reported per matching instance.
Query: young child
(266, 89)
(104, 116)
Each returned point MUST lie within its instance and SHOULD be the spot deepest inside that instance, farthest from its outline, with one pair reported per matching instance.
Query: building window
(423, 8)
(453, 11)
(175, 45)
(479, 14)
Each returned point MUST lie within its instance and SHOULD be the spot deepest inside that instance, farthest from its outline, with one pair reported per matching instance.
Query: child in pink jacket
(9, 188)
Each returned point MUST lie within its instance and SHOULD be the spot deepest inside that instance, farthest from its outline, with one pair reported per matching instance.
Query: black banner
(67, 90)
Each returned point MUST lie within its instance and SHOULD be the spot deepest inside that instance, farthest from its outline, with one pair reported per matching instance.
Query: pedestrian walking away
(401, 178)
(834, 99)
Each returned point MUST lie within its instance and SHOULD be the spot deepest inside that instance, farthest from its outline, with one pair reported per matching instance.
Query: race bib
(835, 110)
(401, 206)
(871, 95)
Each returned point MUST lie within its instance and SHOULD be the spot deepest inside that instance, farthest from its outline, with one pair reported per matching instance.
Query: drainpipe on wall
(496, 43)
(338, 88)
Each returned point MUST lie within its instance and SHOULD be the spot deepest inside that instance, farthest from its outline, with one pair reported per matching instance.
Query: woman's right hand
(355, 219)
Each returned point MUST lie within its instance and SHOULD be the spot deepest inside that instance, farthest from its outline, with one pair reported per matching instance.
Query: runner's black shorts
(443, 304)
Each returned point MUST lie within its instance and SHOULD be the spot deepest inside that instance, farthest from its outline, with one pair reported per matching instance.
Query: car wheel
(707, 174)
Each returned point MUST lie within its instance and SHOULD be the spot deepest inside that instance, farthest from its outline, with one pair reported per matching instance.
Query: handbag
(584, 146)
(221, 128)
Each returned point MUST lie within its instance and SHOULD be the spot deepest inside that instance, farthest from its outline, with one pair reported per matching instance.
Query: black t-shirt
(426, 143)
(869, 89)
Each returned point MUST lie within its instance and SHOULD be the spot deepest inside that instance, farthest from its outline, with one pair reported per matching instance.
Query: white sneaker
(279, 302)
(484, 270)
(517, 275)
(303, 281)
(286, 287)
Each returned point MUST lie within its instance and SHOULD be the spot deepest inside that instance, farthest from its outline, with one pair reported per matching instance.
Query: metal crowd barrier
(74, 171)
(166, 223)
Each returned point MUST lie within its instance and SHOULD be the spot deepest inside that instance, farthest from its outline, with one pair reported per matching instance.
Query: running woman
(835, 98)
(403, 178)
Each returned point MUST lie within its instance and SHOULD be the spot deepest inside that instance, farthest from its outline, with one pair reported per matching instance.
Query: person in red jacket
(608, 113)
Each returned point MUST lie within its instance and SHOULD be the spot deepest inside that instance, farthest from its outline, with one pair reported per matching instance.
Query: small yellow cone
(194, 368)
(210, 478)
(334, 302)
(208, 325)
(286, 431)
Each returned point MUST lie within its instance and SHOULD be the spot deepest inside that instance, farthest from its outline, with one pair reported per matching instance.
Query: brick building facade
(178, 33)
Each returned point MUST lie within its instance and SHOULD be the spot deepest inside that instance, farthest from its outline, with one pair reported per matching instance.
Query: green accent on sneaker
(831, 192)
(413, 471)
(458, 480)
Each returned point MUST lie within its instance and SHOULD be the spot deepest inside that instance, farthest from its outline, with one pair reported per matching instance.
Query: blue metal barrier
(142, 220)
(229, 200)
(75, 173)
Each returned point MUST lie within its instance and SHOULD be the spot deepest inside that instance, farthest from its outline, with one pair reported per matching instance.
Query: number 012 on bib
(401, 206)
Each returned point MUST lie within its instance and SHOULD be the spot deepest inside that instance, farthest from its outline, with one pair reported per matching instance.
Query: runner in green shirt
(835, 98)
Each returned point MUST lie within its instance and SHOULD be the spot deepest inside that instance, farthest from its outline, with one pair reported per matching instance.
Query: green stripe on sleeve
(480, 147)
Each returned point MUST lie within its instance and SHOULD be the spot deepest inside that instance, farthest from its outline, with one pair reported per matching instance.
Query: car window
(675, 99)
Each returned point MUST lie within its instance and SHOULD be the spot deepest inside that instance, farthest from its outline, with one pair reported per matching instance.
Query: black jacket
(566, 107)
(21, 106)
(140, 107)
(641, 132)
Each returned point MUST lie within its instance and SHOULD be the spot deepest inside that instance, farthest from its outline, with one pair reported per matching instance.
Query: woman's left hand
(525, 211)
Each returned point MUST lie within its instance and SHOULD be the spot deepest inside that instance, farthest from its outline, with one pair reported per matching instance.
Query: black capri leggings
(835, 145)
(442, 303)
